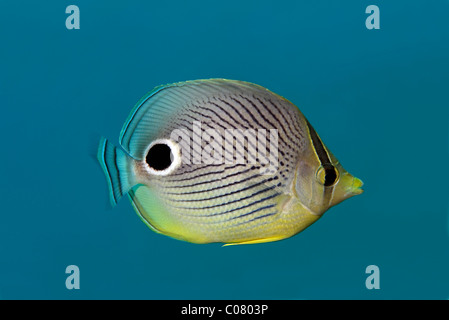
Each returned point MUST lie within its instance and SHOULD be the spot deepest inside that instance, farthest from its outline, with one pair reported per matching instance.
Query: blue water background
(378, 98)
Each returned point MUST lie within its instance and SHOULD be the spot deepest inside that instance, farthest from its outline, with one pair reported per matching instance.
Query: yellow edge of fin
(269, 239)
(156, 217)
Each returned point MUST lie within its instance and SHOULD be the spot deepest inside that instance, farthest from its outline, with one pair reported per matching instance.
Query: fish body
(223, 161)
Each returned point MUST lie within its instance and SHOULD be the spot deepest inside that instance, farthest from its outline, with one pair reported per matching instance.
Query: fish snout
(356, 187)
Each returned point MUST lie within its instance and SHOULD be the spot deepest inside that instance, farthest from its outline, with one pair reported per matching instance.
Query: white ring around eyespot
(175, 151)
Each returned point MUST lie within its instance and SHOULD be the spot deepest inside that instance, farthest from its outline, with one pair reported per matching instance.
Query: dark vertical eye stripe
(319, 148)
(324, 160)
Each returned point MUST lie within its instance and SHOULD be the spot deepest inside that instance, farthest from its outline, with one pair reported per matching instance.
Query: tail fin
(116, 165)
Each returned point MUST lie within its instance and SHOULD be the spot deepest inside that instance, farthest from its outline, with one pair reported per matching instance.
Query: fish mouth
(356, 187)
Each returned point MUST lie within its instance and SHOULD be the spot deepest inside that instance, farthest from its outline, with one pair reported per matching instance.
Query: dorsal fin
(162, 103)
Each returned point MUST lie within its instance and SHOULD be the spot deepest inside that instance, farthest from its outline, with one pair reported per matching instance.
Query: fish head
(320, 186)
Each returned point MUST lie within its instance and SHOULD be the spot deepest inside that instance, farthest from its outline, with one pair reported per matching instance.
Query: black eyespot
(159, 157)
(330, 176)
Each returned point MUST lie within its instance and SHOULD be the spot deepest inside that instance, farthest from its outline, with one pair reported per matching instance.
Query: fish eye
(162, 157)
(327, 175)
